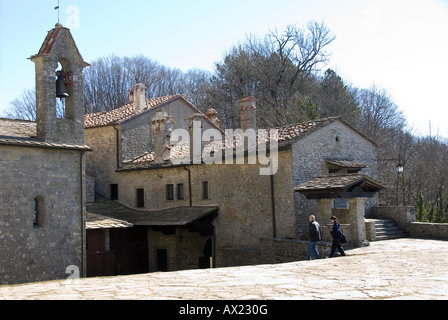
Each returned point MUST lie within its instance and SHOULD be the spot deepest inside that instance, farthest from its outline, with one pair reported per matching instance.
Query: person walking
(315, 236)
(336, 233)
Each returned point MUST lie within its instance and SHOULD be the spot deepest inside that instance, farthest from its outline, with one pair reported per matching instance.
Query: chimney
(248, 113)
(213, 116)
(161, 131)
(195, 125)
(137, 95)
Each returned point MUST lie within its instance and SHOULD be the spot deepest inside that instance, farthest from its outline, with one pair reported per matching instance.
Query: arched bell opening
(64, 88)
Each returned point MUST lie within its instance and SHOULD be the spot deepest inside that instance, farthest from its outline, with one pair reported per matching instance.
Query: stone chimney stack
(213, 116)
(161, 132)
(137, 95)
(195, 125)
(248, 113)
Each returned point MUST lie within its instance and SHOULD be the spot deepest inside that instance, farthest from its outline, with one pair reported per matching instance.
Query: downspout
(213, 247)
(117, 138)
(274, 231)
(189, 186)
(83, 214)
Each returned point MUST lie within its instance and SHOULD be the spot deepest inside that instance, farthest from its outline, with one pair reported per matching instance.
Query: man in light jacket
(315, 236)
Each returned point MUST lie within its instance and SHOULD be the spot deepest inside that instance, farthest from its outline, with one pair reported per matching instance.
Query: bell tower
(59, 89)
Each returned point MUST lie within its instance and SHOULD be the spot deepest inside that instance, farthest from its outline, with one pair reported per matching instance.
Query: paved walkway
(392, 269)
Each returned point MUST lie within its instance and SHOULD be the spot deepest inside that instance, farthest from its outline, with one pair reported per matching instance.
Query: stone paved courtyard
(393, 269)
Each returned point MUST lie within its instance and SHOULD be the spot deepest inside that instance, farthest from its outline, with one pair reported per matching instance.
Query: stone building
(165, 189)
(194, 211)
(42, 180)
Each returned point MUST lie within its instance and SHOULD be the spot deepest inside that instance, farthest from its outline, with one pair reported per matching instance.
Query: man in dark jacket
(315, 236)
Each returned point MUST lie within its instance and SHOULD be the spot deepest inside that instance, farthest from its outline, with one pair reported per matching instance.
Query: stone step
(386, 229)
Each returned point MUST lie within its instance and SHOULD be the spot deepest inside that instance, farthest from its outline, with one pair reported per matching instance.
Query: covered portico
(355, 189)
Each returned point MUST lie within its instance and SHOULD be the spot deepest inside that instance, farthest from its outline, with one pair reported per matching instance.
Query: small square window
(170, 192)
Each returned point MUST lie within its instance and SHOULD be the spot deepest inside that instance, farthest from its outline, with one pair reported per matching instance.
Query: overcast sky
(401, 46)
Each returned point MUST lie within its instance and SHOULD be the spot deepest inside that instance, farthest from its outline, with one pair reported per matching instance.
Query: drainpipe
(83, 214)
(189, 185)
(117, 146)
(274, 231)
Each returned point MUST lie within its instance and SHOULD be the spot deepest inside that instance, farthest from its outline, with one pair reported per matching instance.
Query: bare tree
(276, 69)
(23, 107)
(379, 114)
(106, 84)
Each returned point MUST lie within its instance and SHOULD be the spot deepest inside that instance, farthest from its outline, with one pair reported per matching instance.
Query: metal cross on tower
(57, 8)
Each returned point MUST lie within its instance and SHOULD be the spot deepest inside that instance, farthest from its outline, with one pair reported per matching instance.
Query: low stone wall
(428, 230)
(288, 249)
(271, 250)
(405, 217)
(230, 257)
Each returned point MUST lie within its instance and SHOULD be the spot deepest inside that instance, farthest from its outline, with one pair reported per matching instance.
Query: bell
(61, 90)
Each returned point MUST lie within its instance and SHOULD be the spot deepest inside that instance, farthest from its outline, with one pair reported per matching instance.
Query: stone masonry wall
(35, 253)
(335, 141)
(102, 161)
(136, 136)
(244, 197)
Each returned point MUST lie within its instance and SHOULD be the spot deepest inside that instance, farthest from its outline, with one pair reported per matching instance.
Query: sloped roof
(98, 221)
(23, 133)
(51, 39)
(340, 185)
(345, 164)
(17, 129)
(286, 136)
(125, 112)
(173, 217)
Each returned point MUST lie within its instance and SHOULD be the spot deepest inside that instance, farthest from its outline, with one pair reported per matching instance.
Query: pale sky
(401, 46)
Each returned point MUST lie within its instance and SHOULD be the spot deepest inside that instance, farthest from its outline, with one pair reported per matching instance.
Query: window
(340, 204)
(114, 191)
(170, 192)
(140, 197)
(205, 190)
(38, 212)
(180, 191)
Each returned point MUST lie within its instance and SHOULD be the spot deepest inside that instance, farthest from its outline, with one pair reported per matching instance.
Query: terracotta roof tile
(49, 41)
(123, 113)
(286, 135)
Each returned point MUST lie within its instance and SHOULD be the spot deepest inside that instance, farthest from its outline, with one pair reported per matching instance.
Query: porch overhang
(108, 210)
(340, 186)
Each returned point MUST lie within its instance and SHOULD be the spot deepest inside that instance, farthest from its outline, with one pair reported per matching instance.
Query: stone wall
(334, 141)
(184, 249)
(270, 251)
(102, 162)
(277, 250)
(244, 197)
(40, 252)
(136, 135)
(428, 230)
